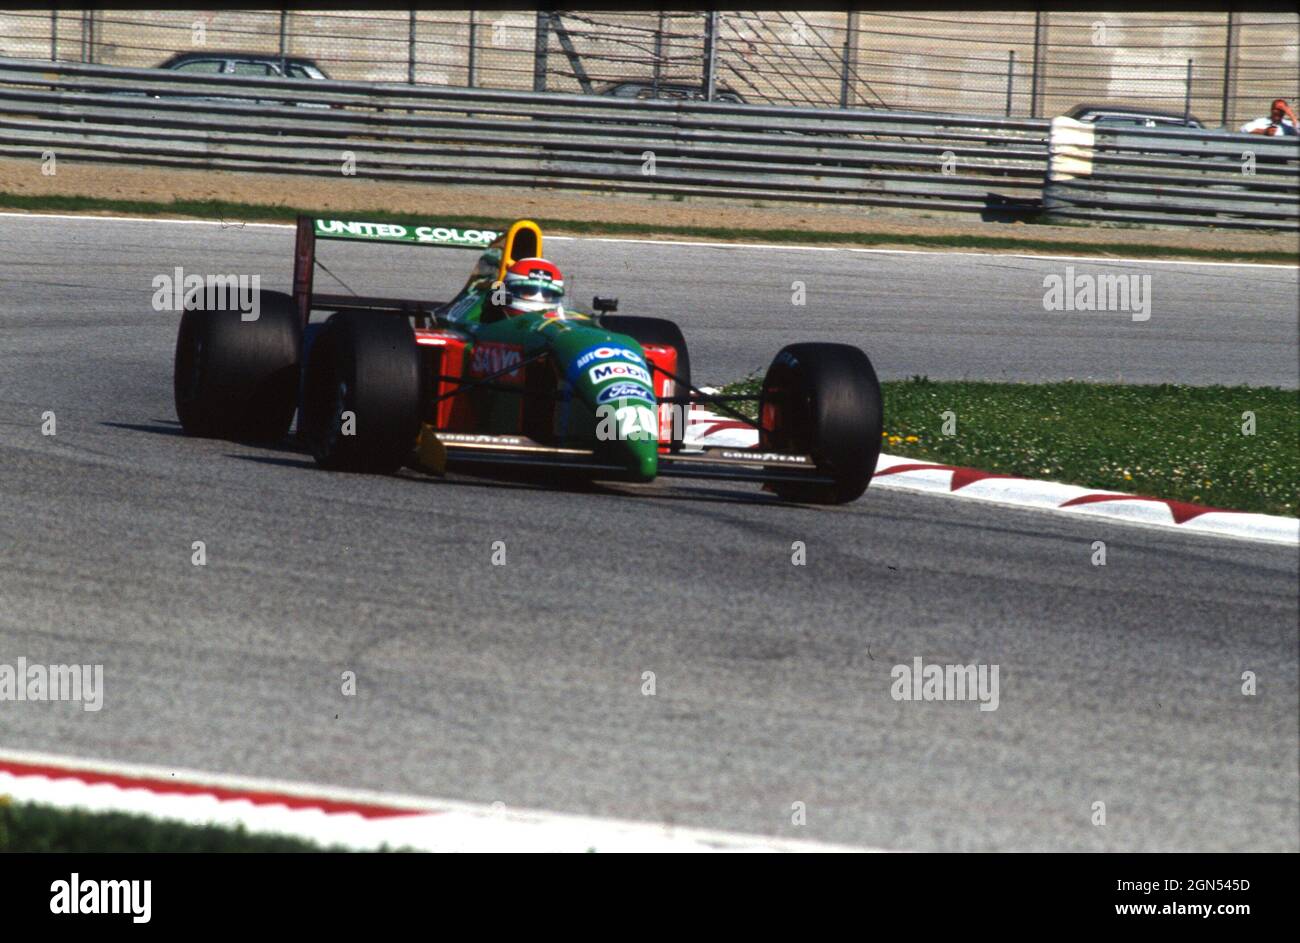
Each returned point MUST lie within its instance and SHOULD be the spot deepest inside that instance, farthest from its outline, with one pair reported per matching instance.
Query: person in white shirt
(1281, 120)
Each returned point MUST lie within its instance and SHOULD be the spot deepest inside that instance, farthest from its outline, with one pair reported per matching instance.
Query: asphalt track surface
(523, 683)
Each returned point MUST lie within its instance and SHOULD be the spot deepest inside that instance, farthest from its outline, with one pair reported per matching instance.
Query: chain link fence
(1222, 67)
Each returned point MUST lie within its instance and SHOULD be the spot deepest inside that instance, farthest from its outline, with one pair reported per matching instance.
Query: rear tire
(824, 400)
(662, 332)
(238, 379)
(366, 363)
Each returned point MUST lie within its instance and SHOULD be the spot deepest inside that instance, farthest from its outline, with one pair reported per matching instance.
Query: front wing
(470, 450)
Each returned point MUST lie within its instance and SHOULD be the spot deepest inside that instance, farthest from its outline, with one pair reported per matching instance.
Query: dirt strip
(355, 194)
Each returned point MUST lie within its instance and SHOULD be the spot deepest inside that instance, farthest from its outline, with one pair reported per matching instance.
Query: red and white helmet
(534, 285)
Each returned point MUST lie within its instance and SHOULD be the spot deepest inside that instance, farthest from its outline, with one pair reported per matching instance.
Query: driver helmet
(534, 286)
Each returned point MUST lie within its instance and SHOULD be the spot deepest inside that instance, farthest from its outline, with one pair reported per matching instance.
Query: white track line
(368, 820)
(236, 224)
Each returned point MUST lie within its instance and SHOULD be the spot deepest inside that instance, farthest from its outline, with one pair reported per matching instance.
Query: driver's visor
(536, 291)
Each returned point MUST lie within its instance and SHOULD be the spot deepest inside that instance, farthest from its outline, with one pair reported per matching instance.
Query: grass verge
(275, 213)
(1169, 441)
(29, 827)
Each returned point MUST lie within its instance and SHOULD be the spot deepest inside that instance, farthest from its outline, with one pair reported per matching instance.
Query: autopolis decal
(618, 371)
(415, 235)
(625, 391)
(607, 353)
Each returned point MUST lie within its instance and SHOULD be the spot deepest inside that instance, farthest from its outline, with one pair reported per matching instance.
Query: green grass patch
(264, 212)
(29, 827)
(1168, 441)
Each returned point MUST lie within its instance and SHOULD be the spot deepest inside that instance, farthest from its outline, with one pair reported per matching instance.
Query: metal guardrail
(1177, 176)
(435, 134)
(455, 135)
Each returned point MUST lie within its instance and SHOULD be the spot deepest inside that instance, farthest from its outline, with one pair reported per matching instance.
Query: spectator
(1281, 120)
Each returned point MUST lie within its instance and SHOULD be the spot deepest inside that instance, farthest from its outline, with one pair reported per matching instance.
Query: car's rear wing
(310, 229)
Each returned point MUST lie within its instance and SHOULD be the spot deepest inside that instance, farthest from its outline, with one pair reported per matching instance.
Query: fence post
(539, 50)
(1038, 81)
(659, 54)
(469, 82)
(1229, 73)
(1187, 97)
(850, 48)
(284, 21)
(710, 53)
(1011, 73)
(54, 34)
(410, 50)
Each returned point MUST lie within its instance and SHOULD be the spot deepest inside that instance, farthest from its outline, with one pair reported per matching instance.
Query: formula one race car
(506, 374)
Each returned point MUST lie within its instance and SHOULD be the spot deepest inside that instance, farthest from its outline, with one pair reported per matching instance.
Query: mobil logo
(618, 371)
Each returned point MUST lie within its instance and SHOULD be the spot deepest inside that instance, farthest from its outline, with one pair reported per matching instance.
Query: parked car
(252, 64)
(244, 63)
(1124, 115)
(681, 91)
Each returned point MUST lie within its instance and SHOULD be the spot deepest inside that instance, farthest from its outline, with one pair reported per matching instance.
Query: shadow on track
(293, 455)
(160, 427)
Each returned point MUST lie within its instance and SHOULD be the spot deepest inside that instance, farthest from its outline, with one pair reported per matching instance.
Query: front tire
(237, 379)
(365, 364)
(824, 400)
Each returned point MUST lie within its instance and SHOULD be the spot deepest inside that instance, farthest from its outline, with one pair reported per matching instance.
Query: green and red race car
(505, 373)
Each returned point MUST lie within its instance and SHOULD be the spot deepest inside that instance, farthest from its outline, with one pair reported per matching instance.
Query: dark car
(680, 91)
(1127, 116)
(244, 63)
(252, 64)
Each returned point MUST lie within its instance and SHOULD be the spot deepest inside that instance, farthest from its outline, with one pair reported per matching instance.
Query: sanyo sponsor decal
(433, 235)
(921, 682)
(77, 896)
(181, 292)
(490, 358)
